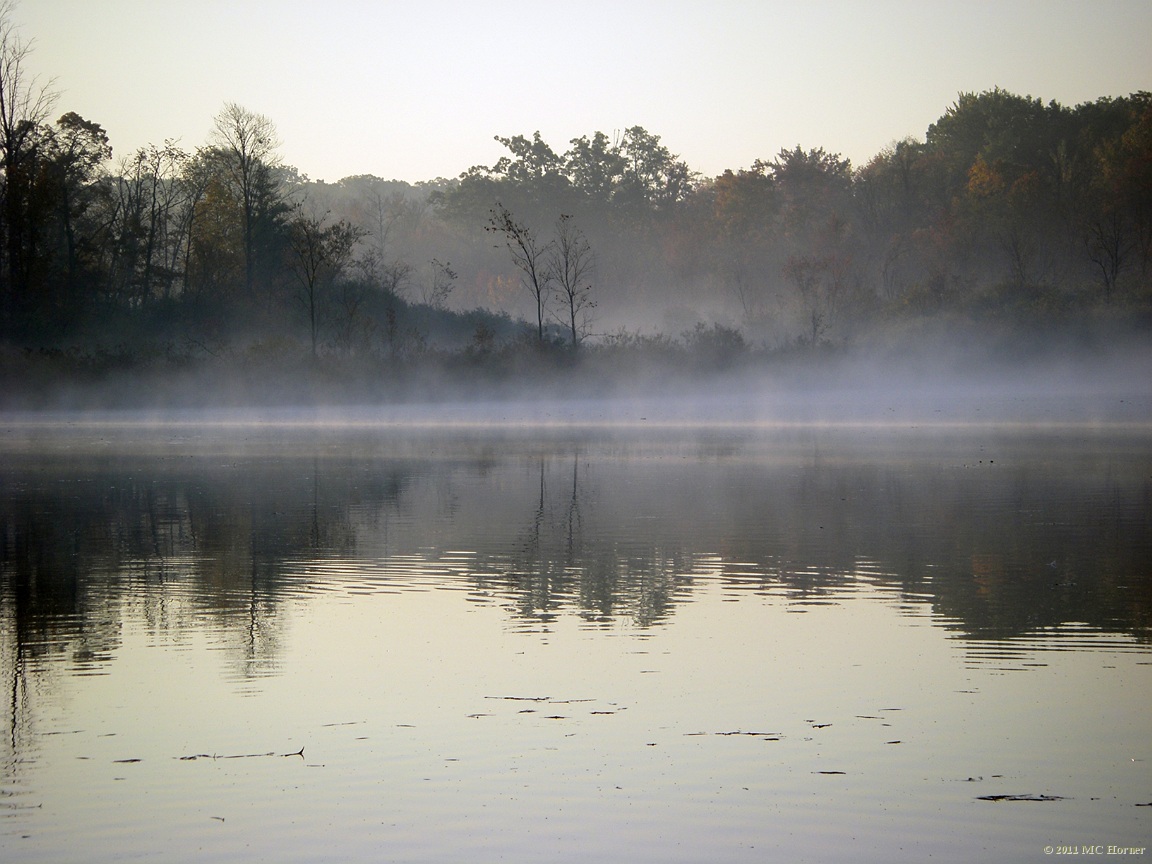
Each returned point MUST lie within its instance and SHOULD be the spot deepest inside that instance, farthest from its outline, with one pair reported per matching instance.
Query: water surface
(364, 644)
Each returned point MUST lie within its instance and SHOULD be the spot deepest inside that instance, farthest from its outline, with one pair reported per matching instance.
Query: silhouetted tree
(153, 205)
(441, 280)
(652, 174)
(320, 251)
(530, 257)
(570, 267)
(79, 148)
(25, 104)
(247, 143)
(595, 166)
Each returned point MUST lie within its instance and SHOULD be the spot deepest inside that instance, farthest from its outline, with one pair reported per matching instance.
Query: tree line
(1009, 210)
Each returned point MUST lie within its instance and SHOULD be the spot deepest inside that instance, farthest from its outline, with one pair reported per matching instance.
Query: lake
(673, 643)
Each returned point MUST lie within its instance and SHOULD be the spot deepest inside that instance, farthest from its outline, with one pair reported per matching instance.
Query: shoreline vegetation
(611, 386)
(1014, 240)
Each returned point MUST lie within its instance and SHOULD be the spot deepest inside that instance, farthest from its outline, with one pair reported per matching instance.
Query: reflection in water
(999, 548)
(1010, 544)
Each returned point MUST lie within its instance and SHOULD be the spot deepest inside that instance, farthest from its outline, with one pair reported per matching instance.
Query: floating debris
(522, 698)
(1020, 798)
(196, 756)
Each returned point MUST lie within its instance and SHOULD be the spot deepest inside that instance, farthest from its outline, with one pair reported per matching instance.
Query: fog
(939, 384)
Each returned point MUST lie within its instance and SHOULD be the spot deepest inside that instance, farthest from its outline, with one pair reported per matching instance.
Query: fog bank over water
(844, 394)
(966, 378)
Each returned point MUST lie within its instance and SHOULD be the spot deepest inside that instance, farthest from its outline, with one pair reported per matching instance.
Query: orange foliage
(984, 181)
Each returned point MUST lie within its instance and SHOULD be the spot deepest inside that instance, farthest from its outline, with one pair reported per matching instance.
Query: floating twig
(1020, 798)
(521, 698)
(196, 756)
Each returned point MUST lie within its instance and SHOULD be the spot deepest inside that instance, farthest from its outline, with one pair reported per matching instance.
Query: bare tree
(571, 263)
(530, 257)
(247, 143)
(820, 285)
(380, 213)
(1109, 244)
(149, 204)
(320, 251)
(441, 281)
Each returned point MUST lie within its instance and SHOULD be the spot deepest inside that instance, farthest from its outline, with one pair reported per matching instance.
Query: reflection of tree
(17, 733)
(999, 552)
(540, 582)
(560, 563)
(207, 544)
(177, 544)
(996, 551)
(86, 547)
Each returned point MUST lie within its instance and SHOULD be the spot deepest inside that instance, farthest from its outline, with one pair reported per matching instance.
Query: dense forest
(1012, 219)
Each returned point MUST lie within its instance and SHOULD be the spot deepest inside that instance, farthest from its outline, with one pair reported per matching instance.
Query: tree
(214, 244)
(814, 186)
(594, 166)
(441, 281)
(153, 206)
(320, 251)
(651, 174)
(1118, 219)
(247, 145)
(24, 106)
(742, 208)
(78, 148)
(531, 162)
(570, 267)
(379, 211)
(821, 285)
(1011, 133)
(530, 257)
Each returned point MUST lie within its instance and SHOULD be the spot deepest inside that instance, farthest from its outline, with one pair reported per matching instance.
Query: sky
(417, 89)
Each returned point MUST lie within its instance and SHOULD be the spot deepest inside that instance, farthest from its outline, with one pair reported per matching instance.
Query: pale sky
(415, 89)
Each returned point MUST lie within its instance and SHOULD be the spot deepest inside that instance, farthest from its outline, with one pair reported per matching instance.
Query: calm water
(805, 644)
